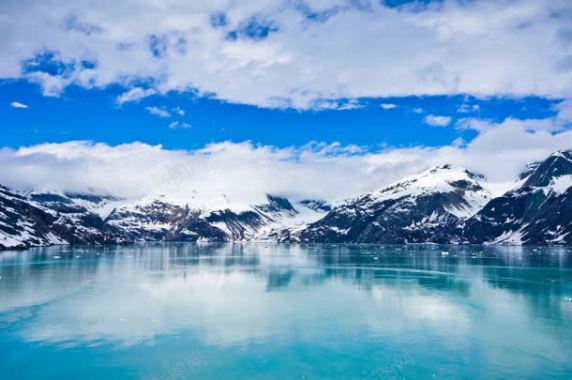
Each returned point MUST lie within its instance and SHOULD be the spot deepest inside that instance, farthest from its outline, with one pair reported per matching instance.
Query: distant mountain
(39, 219)
(445, 204)
(421, 208)
(539, 211)
(156, 219)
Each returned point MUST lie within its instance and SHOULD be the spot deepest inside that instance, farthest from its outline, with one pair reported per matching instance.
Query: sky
(338, 96)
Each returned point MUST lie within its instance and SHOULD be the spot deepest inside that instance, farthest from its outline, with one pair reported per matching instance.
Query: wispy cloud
(158, 111)
(18, 105)
(134, 95)
(340, 105)
(468, 108)
(388, 106)
(180, 125)
(561, 121)
(352, 104)
(437, 121)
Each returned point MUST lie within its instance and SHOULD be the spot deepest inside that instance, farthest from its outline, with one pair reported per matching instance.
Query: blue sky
(337, 96)
(82, 114)
(279, 72)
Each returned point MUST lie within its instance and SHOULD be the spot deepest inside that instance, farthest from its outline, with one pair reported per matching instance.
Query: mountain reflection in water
(287, 311)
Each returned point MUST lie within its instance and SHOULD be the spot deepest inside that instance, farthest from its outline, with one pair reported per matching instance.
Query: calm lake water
(265, 311)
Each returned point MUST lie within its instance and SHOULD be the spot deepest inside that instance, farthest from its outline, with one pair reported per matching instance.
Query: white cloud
(561, 121)
(18, 105)
(459, 142)
(180, 125)
(437, 121)
(388, 106)
(52, 85)
(244, 173)
(351, 104)
(467, 108)
(158, 111)
(179, 111)
(331, 104)
(134, 95)
(482, 48)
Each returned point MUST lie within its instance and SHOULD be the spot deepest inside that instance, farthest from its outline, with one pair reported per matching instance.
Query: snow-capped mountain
(22, 223)
(539, 211)
(446, 204)
(421, 208)
(38, 219)
(158, 219)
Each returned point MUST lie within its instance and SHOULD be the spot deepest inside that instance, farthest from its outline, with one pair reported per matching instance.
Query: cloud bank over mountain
(243, 173)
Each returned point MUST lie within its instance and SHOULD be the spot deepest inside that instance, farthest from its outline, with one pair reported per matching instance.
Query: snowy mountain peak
(419, 208)
(556, 165)
(565, 154)
(536, 212)
(439, 179)
(277, 204)
(456, 170)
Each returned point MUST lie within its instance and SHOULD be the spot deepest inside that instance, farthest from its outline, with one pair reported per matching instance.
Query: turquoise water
(260, 311)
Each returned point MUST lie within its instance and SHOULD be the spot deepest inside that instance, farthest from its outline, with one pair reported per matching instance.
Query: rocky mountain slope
(22, 223)
(422, 208)
(539, 211)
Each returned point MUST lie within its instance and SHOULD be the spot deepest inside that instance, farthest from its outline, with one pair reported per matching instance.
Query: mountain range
(445, 204)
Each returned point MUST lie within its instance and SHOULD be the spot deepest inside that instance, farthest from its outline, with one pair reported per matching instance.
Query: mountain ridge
(412, 210)
(444, 204)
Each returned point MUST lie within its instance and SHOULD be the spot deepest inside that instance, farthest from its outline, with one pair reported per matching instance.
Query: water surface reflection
(319, 311)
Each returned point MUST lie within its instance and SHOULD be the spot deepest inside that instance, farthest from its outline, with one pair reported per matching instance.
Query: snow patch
(561, 184)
